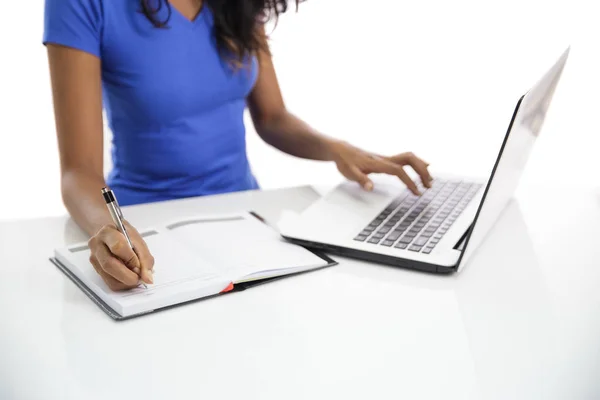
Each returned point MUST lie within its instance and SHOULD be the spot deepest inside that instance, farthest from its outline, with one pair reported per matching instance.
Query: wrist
(332, 148)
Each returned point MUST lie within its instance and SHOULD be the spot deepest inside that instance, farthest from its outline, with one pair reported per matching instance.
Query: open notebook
(195, 258)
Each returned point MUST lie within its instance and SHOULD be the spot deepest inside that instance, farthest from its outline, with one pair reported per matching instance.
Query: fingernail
(369, 186)
(149, 278)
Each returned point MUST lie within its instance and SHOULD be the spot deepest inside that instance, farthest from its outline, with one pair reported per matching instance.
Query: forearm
(293, 136)
(82, 197)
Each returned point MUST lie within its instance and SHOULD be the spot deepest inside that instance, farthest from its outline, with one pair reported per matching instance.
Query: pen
(117, 216)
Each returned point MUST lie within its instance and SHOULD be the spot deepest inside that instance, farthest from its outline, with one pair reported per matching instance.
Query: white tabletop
(522, 321)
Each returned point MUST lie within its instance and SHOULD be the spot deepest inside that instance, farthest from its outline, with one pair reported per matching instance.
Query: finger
(112, 283)
(146, 268)
(388, 167)
(146, 264)
(141, 249)
(118, 246)
(416, 163)
(420, 168)
(363, 180)
(115, 267)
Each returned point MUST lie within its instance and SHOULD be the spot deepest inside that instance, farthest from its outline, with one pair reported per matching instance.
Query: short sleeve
(74, 23)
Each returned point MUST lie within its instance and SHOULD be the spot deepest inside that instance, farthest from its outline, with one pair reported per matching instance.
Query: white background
(435, 77)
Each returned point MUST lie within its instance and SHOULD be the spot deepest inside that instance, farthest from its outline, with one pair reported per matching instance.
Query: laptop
(439, 230)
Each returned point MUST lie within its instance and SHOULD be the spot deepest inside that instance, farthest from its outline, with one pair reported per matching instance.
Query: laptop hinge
(460, 243)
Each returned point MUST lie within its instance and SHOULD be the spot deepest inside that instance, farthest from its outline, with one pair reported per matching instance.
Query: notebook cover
(97, 300)
(109, 310)
(236, 288)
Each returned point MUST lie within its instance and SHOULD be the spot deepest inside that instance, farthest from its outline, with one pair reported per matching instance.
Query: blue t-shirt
(175, 108)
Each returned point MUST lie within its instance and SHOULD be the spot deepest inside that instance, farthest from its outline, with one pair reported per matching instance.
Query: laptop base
(374, 257)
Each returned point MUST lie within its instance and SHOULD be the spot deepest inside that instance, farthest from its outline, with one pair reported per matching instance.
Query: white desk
(521, 322)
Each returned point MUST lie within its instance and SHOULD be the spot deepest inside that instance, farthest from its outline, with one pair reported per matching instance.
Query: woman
(174, 77)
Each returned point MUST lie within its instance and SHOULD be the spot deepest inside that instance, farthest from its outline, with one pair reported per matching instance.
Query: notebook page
(242, 245)
(179, 275)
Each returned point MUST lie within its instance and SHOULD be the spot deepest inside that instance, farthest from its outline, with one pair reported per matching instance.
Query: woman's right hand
(118, 265)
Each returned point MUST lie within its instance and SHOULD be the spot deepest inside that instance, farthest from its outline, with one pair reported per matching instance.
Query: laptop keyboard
(418, 223)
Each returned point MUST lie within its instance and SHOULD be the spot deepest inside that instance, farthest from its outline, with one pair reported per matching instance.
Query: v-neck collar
(192, 22)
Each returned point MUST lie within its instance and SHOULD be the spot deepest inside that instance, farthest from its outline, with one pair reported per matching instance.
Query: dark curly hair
(235, 23)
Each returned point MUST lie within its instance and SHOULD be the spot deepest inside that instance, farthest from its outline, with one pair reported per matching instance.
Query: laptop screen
(524, 128)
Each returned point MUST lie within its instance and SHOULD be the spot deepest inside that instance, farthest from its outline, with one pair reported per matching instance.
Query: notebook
(195, 258)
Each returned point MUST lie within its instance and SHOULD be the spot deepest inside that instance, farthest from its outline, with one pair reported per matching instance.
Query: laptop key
(374, 240)
(406, 240)
(392, 205)
(421, 241)
(387, 243)
(415, 248)
(360, 238)
(401, 245)
(427, 250)
(395, 203)
(385, 229)
(394, 235)
(379, 235)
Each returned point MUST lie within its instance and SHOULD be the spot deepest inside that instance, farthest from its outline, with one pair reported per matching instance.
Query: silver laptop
(439, 230)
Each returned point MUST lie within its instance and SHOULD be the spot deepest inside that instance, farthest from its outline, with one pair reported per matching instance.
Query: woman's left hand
(356, 164)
